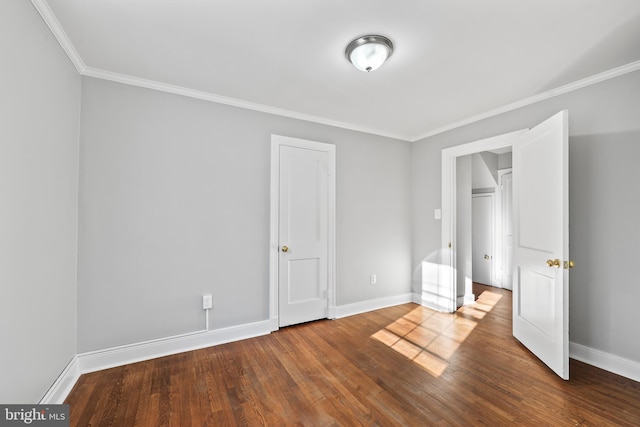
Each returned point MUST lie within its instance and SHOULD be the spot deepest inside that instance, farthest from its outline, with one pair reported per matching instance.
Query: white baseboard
(433, 302)
(63, 384)
(372, 304)
(415, 298)
(465, 300)
(118, 356)
(609, 362)
(122, 355)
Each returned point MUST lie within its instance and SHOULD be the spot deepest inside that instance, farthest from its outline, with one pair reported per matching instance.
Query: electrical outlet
(373, 279)
(207, 302)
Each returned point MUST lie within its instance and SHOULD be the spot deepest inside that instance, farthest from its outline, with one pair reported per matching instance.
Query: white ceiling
(455, 61)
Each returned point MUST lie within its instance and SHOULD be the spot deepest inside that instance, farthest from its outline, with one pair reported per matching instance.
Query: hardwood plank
(405, 365)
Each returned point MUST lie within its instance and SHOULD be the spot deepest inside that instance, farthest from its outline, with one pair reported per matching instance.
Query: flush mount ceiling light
(368, 53)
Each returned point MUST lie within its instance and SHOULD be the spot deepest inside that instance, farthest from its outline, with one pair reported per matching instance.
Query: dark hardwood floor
(400, 366)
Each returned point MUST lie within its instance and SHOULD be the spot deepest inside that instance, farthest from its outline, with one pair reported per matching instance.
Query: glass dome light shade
(369, 52)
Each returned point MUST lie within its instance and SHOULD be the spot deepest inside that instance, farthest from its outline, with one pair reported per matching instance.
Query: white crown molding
(234, 102)
(54, 25)
(579, 84)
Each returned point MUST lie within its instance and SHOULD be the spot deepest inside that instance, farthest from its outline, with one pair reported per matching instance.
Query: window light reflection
(429, 338)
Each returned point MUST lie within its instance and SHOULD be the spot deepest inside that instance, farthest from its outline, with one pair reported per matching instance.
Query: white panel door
(482, 234)
(541, 246)
(303, 235)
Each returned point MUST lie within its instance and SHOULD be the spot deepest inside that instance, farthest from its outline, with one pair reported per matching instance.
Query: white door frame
(276, 142)
(449, 156)
(500, 274)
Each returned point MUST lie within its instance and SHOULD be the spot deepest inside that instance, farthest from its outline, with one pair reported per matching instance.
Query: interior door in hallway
(482, 238)
(304, 237)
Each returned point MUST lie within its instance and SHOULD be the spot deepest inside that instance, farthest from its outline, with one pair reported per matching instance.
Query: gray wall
(505, 160)
(604, 148)
(174, 202)
(484, 171)
(39, 120)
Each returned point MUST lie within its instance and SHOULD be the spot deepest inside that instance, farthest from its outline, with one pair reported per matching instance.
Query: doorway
(540, 224)
(457, 170)
(480, 246)
(492, 240)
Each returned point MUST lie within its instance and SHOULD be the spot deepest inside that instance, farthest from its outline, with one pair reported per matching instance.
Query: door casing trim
(448, 237)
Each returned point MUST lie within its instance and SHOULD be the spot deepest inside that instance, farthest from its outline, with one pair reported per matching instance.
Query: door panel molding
(278, 141)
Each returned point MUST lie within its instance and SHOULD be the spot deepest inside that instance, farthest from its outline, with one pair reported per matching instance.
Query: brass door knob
(285, 249)
(569, 264)
(487, 257)
(553, 263)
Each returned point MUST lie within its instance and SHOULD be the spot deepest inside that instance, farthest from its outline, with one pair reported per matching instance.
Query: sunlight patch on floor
(430, 338)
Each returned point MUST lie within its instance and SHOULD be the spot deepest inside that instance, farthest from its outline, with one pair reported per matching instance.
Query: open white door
(541, 242)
